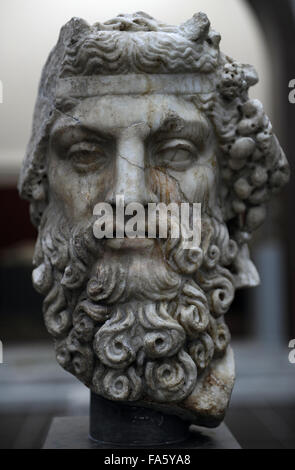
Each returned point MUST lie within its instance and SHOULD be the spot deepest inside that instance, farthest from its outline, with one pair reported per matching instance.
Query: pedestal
(73, 432)
(122, 424)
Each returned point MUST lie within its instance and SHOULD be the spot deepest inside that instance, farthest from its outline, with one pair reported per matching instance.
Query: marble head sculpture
(155, 113)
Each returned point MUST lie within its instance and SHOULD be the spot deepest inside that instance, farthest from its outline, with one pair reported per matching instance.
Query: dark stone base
(72, 433)
(133, 426)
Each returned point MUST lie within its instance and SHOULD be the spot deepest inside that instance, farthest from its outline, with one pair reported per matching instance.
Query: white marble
(157, 114)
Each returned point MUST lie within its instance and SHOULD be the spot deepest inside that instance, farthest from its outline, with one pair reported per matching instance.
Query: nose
(130, 177)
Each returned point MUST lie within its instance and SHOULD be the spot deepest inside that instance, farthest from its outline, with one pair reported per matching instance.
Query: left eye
(176, 154)
(86, 156)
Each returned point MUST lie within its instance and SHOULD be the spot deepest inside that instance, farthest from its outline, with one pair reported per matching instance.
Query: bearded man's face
(148, 149)
(148, 113)
(137, 319)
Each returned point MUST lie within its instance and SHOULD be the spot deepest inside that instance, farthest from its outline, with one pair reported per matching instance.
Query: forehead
(114, 112)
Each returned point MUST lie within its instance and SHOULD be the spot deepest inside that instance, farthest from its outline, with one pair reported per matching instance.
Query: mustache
(136, 225)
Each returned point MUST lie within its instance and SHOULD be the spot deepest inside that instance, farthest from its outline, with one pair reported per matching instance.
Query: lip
(130, 243)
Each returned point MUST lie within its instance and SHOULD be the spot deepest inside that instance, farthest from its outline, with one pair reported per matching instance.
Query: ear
(246, 273)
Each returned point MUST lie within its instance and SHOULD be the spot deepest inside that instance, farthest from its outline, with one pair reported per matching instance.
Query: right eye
(177, 154)
(87, 156)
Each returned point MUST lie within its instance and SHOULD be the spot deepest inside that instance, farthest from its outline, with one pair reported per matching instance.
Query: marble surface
(147, 113)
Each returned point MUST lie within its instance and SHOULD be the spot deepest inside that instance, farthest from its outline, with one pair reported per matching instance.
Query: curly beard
(135, 325)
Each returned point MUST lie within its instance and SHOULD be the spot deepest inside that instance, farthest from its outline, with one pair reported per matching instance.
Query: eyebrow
(199, 130)
(84, 131)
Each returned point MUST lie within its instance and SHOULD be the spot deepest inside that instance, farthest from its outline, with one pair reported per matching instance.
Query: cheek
(76, 193)
(206, 186)
(199, 184)
(163, 186)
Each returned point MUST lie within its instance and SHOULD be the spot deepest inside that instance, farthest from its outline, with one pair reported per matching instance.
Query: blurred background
(33, 388)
